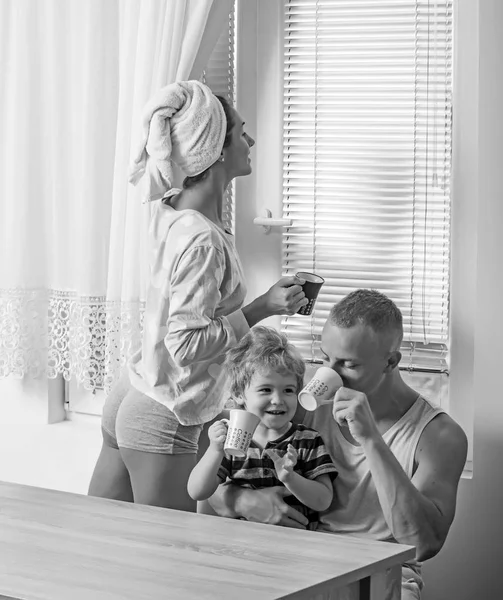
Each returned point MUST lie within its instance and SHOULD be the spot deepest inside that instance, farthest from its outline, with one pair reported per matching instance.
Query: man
(399, 457)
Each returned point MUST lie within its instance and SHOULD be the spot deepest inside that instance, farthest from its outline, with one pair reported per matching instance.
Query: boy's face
(358, 354)
(272, 397)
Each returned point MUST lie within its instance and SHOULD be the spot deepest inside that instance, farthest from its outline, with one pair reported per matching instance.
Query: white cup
(240, 429)
(321, 389)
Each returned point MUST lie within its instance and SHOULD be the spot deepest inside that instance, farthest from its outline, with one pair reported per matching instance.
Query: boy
(266, 374)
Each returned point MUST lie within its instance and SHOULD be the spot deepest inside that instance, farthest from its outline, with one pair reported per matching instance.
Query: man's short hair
(370, 308)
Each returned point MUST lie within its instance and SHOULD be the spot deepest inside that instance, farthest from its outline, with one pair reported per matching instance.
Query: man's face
(358, 354)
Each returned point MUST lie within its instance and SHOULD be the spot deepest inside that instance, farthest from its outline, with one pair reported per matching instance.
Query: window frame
(259, 94)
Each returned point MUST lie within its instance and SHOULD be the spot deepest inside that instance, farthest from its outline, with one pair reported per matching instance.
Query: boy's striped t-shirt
(256, 470)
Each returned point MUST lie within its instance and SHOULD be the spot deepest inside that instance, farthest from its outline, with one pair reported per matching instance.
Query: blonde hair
(262, 348)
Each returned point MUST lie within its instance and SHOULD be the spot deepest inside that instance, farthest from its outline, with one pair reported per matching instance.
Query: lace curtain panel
(73, 252)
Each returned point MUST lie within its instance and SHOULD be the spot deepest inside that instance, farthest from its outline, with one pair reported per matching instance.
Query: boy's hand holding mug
(217, 434)
(240, 429)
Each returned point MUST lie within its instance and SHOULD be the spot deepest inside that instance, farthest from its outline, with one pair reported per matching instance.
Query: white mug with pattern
(321, 389)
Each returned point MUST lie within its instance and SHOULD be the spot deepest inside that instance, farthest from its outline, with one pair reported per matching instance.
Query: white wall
(58, 456)
(260, 105)
(468, 568)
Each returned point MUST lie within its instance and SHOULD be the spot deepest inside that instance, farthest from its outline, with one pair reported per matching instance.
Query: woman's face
(237, 154)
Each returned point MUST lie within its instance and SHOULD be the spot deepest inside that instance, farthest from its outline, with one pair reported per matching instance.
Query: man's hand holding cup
(351, 409)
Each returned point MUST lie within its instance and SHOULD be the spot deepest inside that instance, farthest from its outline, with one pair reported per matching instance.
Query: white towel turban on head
(183, 122)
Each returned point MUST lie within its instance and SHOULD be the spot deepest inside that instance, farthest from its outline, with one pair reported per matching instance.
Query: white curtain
(76, 75)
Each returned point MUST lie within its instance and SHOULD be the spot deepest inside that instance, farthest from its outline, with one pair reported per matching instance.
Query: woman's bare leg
(203, 507)
(160, 479)
(110, 478)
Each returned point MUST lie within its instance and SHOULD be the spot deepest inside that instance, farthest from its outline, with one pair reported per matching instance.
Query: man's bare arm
(420, 511)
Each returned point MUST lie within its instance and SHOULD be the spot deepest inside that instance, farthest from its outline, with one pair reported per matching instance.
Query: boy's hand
(284, 464)
(217, 434)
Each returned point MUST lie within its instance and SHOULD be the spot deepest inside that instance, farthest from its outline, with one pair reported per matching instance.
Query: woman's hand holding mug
(286, 296)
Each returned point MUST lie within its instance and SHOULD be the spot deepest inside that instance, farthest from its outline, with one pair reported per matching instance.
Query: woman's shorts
(133, 420)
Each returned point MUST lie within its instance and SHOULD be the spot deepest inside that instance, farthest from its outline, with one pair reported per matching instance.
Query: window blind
(219, 76)
(367, 159)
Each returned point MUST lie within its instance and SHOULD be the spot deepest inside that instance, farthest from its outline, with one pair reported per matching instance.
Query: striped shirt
(192, 314)
(256, 470)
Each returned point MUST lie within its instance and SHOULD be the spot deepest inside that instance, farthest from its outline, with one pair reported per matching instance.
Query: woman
(194, 312)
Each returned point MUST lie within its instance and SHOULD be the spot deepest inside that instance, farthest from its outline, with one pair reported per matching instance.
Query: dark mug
(311, 289)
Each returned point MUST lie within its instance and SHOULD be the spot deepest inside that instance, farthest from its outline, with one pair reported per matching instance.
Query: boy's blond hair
(262, 348)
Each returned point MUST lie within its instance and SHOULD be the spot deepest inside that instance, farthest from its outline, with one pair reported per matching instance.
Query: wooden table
(60, 546)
